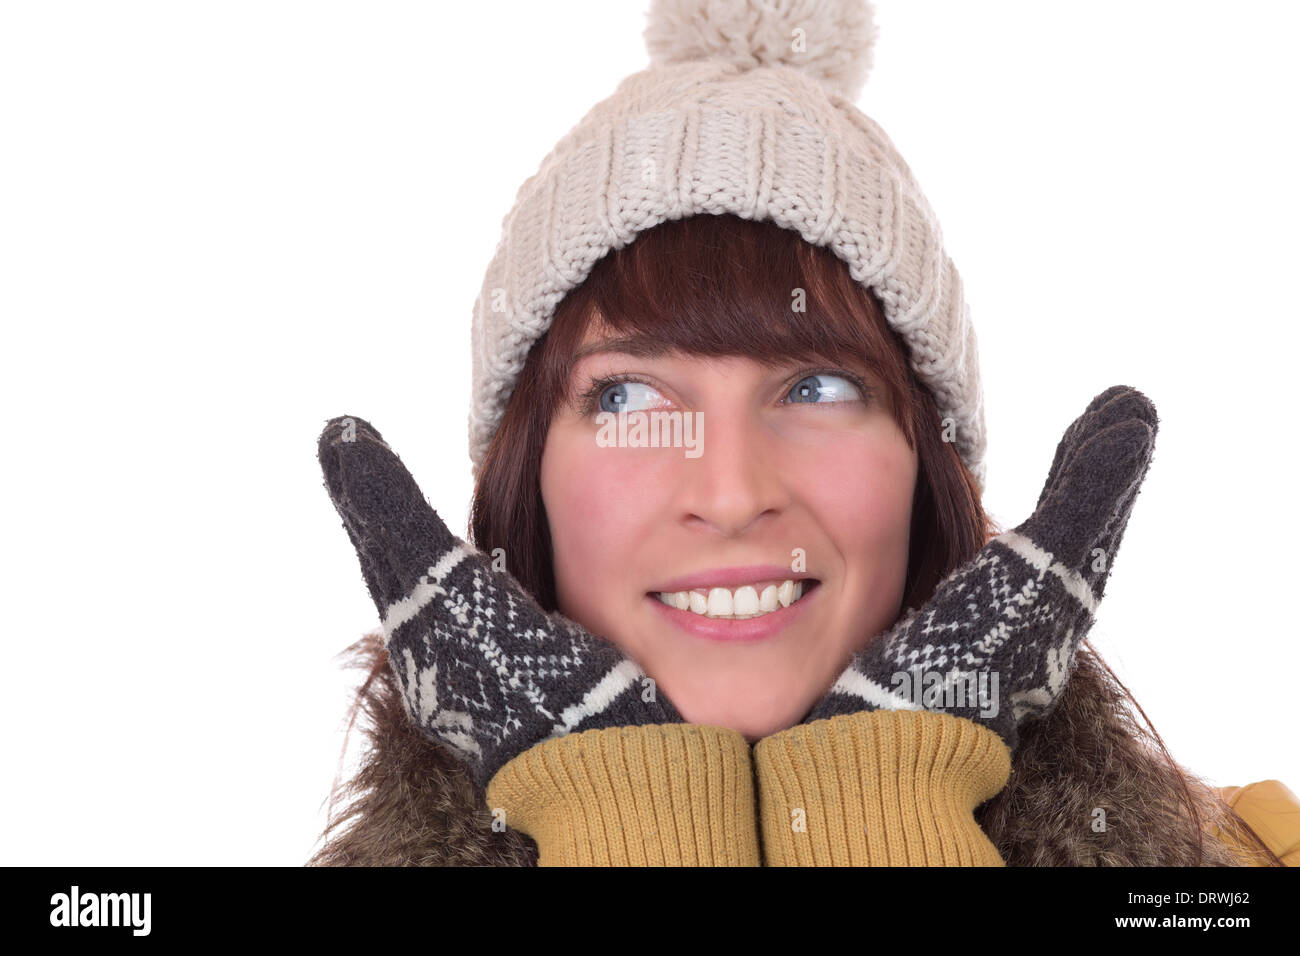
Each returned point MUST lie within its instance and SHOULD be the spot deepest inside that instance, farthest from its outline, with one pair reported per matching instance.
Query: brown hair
(722, 285)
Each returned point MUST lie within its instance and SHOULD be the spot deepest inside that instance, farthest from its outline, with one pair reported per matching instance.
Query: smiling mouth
(741, 603)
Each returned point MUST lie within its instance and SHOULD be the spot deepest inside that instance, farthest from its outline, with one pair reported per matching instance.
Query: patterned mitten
(996, 642)
(482, 667)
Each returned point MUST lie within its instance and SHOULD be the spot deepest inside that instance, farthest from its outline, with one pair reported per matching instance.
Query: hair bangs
(724, 286)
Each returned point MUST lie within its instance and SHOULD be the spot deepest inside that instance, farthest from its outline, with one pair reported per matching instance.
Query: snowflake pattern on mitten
(997, 640)
(481, 666)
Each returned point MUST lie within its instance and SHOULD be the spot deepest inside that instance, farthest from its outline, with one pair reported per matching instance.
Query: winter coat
(413, 803)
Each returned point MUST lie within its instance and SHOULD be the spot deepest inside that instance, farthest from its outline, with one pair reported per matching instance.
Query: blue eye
(812, 389)
(621, 396)
(620, 393)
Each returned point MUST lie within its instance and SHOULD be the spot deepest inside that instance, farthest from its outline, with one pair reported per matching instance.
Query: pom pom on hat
(830, 40)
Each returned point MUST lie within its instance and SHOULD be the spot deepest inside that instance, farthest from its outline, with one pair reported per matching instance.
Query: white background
(222, 224)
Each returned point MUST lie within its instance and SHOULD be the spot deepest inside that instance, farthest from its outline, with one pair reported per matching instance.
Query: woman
(794, 593)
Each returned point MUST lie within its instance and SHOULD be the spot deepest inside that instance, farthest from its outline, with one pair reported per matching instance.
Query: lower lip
(721, 629)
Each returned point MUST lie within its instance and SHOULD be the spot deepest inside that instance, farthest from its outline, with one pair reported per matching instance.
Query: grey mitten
(481, 666)
(996, 642)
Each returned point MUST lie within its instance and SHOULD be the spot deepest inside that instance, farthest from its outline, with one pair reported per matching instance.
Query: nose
(737, 481)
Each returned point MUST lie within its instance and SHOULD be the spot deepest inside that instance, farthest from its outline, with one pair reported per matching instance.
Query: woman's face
(790, 477)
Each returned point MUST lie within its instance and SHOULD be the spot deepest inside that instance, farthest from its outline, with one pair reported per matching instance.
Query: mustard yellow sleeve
(879, 788)
(658, 795)
(1273, 812)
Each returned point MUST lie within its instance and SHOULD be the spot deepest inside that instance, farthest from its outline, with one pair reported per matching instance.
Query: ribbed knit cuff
(879, 788)
(658, 795)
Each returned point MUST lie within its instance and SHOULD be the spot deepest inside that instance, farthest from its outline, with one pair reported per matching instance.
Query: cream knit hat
(746, 108)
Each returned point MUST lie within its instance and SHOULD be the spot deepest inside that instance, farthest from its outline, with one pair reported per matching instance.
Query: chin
(754, 724)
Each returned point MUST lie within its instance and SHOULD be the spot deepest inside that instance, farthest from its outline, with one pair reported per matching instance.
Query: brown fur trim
(411, 801)
(1091, 752)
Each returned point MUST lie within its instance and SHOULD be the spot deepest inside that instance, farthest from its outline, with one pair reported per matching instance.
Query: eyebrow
(641, 346)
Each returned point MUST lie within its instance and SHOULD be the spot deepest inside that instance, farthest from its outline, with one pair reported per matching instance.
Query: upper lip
(731, 577)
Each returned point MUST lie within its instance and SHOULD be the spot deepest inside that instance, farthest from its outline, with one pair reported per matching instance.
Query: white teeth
(745, 602)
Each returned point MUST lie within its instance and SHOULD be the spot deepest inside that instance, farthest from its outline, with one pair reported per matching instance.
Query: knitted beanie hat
(746, 108)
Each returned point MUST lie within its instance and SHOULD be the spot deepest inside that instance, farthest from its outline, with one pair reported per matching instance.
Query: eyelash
(589, 398)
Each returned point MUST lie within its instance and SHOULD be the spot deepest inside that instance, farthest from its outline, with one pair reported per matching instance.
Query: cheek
(599, 511)
(861, 489)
